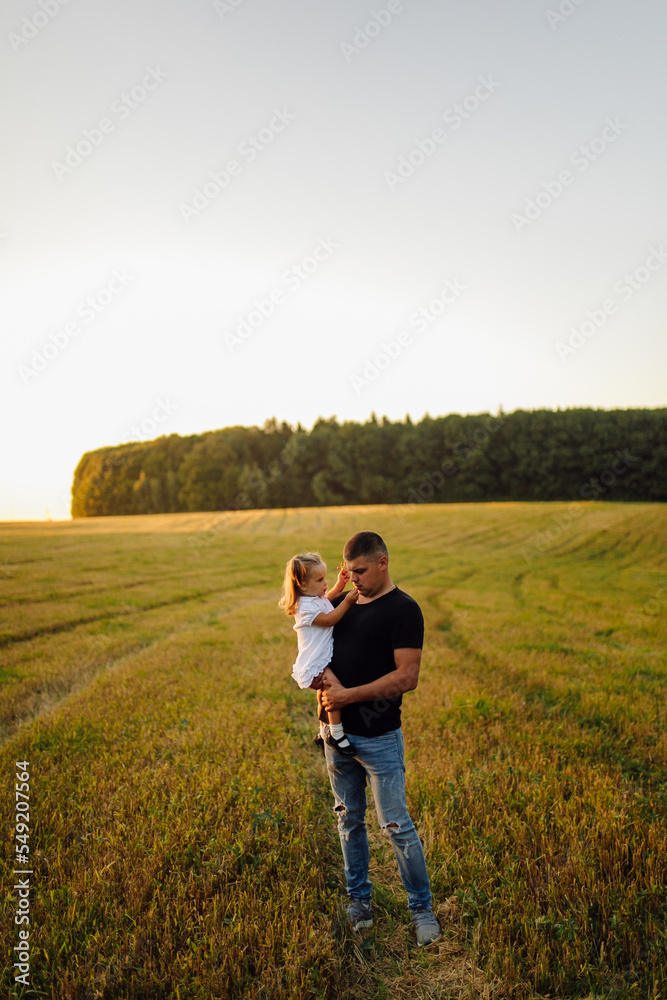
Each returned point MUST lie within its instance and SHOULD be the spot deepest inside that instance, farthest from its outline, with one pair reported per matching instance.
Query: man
(376, 657)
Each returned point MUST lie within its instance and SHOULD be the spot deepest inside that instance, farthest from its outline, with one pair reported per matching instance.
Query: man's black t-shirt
(364, 642)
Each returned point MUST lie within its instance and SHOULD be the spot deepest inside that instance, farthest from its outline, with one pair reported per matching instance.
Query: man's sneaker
(319, 743)
(359, 914)
(427, 927)
(347, 751)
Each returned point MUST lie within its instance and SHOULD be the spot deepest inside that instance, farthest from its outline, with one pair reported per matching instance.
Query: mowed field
(182, 836)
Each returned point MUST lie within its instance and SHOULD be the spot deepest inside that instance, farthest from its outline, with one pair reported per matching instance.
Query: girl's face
(316, 583)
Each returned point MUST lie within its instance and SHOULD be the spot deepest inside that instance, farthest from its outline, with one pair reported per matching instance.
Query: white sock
(339, 734)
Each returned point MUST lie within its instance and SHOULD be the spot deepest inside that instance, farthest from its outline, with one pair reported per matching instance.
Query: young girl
(305, 596)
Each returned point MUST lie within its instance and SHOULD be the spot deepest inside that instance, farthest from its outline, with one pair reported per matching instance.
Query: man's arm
(391, 685)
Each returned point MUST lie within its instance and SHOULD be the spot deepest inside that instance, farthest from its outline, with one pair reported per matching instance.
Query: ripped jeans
(379, 762)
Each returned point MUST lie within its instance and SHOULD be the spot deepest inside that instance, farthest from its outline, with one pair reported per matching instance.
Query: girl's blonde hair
(296, 577)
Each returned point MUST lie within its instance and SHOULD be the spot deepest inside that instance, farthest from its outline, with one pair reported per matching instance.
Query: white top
(315, 642)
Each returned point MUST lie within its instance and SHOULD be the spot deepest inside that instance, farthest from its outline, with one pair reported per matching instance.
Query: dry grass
(182, 834)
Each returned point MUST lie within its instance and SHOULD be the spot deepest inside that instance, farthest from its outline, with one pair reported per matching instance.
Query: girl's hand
(316, 682)
(352, 596)
(343, 575)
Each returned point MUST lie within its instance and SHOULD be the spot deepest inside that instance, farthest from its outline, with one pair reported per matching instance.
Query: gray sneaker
(427, 926)
(359, 914)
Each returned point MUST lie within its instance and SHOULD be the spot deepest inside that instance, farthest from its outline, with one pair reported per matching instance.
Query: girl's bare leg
(334, 717)
(336, 737)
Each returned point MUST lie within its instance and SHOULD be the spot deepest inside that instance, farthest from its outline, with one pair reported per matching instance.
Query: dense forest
(569, 454)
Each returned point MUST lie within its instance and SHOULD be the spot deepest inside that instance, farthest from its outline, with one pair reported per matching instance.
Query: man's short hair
(365, 545)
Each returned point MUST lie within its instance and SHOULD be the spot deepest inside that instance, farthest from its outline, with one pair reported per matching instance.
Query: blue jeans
(379, 762)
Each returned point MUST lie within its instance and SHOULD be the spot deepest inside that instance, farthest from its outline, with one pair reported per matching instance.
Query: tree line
(573, 454)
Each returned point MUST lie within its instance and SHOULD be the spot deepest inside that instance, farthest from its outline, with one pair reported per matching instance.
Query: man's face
(368, 576)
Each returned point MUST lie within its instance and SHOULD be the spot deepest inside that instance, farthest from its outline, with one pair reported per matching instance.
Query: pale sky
(468, 192)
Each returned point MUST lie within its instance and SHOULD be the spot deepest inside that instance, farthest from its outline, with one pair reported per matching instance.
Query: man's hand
(404, 678)
(334, 695)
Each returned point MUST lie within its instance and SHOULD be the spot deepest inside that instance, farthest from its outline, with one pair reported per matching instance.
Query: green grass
(182, 835)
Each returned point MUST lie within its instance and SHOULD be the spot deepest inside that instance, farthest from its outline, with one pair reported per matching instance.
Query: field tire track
(101, 589)
(54, 694)
(71, 624)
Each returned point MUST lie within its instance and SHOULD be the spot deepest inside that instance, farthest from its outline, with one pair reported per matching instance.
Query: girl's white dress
(315, 643)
